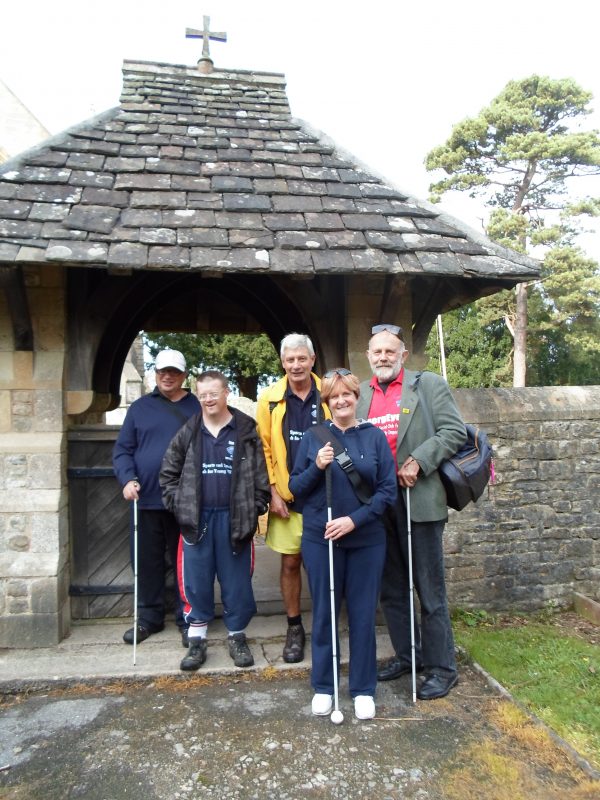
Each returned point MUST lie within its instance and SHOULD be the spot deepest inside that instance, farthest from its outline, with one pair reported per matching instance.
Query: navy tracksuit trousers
(212, 556)
(357, 580)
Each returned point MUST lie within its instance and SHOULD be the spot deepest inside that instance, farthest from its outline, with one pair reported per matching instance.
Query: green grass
(555, 675)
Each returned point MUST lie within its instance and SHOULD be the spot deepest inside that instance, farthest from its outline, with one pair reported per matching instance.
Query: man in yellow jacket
(285, 411)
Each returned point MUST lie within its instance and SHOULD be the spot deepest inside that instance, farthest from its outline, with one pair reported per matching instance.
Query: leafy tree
(246, 359)
(475, 356)
(518, 154)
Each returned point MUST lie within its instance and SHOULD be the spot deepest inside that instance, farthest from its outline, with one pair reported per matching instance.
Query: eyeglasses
(339, 371)
(396, 330)
(210, 396)
(169, 371)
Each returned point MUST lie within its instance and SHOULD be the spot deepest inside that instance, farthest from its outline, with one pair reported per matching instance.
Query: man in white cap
(150, 424)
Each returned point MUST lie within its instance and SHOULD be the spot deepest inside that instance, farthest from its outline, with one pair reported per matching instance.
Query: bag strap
(172, 407)
(325, 434)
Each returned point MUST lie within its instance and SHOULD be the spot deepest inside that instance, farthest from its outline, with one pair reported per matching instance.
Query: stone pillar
(34, 553)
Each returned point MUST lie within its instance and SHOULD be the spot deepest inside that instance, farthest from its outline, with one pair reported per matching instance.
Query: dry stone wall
(534, 539)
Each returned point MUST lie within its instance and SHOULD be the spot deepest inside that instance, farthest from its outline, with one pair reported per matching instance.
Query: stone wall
(534, 539)
(34, 535)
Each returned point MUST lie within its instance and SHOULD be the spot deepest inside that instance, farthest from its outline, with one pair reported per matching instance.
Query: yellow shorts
(284, 535)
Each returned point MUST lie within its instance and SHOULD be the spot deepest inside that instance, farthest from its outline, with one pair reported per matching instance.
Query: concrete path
(79, 720)
(95, 652)
(98, 728)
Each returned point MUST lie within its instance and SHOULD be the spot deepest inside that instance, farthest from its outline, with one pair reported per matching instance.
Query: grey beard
(387, 373)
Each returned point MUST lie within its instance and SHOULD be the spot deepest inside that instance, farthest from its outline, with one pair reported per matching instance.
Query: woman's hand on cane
(324, 456)
(338, 527)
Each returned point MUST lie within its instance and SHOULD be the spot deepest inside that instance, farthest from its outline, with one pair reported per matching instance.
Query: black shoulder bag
(465, 474)
(325, 434)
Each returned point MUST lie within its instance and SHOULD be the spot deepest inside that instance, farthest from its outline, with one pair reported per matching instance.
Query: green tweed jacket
(428, 497)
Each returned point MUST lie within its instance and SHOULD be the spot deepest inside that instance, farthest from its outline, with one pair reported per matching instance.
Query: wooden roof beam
(13, 283)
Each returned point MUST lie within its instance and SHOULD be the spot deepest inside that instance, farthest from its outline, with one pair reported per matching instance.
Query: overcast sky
(386, 79)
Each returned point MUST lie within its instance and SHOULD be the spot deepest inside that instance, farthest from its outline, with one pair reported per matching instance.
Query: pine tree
(519, 154)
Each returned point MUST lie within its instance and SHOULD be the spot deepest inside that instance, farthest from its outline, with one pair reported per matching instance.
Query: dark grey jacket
(181, 479)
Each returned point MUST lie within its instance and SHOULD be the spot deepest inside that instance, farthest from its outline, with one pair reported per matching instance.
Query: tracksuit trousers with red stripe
(213, 556)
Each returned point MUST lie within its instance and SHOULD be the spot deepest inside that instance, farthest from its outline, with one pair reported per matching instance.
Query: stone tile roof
(211, 172)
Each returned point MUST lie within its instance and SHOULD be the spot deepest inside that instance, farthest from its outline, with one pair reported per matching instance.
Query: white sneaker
(322, 704)
(364, 707)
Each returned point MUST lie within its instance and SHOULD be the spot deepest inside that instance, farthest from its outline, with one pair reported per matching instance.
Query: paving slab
(250, 735)
(95, 652)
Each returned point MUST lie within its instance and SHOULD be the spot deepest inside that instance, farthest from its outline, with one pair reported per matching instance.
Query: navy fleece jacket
(368, 448)
(150, 424)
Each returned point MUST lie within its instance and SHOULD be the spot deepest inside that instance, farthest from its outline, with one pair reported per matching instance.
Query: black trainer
(185, 641)
(239, 650)
(196, 655)
(293, 650)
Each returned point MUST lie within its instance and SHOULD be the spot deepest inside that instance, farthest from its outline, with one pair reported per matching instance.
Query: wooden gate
(101, 575)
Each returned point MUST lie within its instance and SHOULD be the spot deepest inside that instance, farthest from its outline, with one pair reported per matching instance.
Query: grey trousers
(434, 642)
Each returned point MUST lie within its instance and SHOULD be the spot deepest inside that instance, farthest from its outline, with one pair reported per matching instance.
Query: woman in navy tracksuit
(358, 535)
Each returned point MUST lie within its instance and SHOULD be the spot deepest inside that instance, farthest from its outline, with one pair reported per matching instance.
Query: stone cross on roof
(205, 63)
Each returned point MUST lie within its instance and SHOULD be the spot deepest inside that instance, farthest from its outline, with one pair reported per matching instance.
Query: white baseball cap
(170, 358)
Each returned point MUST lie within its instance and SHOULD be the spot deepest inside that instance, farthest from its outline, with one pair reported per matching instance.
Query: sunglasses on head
(396, 330)
(339, 371)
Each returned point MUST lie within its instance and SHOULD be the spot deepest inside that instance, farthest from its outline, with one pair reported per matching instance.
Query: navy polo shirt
(301, 414)
(217, 465)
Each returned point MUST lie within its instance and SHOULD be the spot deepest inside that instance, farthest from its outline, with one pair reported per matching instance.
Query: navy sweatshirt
(150, 424)
(368, 448)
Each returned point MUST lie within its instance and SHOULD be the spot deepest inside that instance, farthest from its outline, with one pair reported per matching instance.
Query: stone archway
(106, 312)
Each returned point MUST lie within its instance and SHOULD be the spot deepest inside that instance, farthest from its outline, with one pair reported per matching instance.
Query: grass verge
(554, 674)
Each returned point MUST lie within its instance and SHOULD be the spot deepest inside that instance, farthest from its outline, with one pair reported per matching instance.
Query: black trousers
(434, 642)
(158, 539)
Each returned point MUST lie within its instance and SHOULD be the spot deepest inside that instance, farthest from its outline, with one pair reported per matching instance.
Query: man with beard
(390, 401)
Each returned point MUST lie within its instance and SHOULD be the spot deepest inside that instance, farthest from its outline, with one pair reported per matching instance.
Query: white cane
(336, 715)
(412, 599)
(135, 577)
